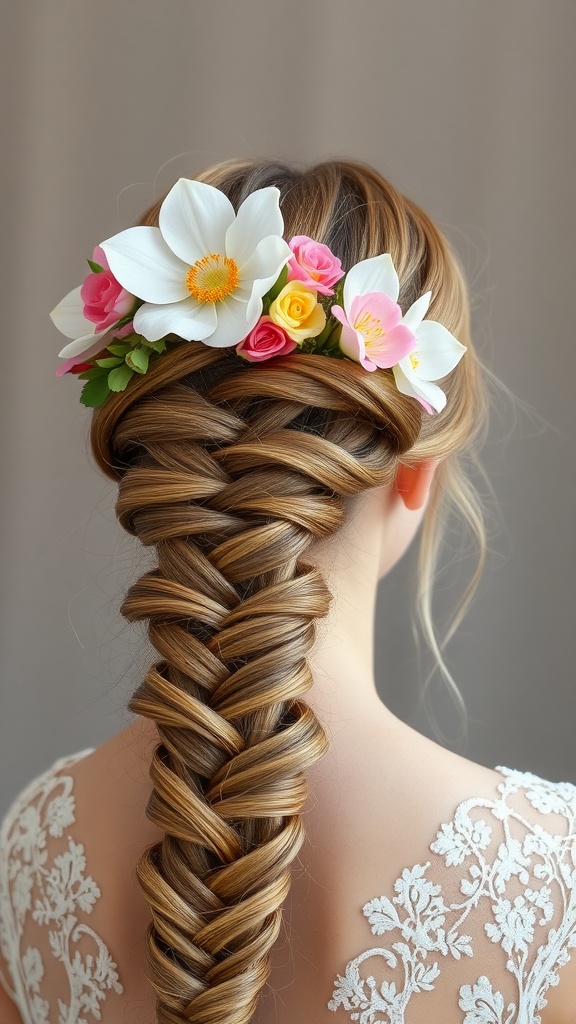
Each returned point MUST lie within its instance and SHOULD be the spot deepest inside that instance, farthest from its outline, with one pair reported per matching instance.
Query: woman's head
(233, 471)
(358, 214)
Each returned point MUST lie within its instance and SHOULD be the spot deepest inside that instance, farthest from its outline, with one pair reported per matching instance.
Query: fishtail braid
(230, 472)
(231, 487)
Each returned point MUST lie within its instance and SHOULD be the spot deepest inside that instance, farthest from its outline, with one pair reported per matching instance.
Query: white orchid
(375, 334)
(202, 273)
(435, 354)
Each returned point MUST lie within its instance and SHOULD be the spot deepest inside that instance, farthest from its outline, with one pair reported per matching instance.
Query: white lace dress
(495, 875)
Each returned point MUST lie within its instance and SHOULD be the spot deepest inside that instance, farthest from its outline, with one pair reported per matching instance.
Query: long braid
(232, 495)
(230, 472)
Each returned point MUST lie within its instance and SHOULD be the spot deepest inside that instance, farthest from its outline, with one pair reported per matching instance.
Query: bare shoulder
(112, 788)
(79, 830)
(8, 1011)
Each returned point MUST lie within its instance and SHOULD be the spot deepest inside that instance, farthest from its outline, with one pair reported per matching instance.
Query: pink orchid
(372, 332)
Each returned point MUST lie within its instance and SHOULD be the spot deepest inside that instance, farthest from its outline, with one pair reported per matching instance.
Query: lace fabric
(512, 881)
(499, 876)
(43, 878)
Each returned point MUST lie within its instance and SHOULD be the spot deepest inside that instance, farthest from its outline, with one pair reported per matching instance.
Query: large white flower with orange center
(203, 272)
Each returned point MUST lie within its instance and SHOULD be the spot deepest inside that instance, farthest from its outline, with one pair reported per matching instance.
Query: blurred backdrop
(468, 107)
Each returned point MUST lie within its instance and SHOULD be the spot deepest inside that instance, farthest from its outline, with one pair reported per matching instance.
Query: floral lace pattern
(46, 883)
(53, 889)
(422, 923)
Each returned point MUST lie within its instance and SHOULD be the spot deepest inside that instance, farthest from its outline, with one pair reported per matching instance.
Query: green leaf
(95, 392)
(129, 340)
(95, 267)
(93, 374)
(118, 378)
(119, 350)
(338, 298)
(275, 290)
(322, 338)
(156, 346)
(138, 359)
(109, 362)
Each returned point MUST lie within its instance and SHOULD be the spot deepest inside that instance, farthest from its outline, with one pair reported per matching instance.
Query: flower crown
(231, 280)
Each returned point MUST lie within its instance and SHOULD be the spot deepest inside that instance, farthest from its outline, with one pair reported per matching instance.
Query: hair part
(230, 471)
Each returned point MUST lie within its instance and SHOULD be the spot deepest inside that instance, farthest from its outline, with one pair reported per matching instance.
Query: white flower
(69, 318)
(202, 273)
(436, 353)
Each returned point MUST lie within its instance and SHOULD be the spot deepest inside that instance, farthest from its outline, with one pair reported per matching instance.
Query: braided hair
(230, 471)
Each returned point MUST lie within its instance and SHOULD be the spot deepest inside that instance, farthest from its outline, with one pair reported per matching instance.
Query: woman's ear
(413, 483)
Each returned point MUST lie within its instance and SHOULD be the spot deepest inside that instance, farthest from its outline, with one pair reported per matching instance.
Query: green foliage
(120, 349)
(95, 267)
(137, 359)
(93, 373)
(275, 289)
(118, 378)
(109, 362)
(156, 346)
(95, 391)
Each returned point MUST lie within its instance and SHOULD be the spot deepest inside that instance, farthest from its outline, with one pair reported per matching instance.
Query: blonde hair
(231, 471)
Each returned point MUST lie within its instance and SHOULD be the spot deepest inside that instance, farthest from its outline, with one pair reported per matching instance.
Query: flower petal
(391, 348)
(232, 326)
(98, 346)
(68, 315)
(374, 275)
(258, 216)
(429, 395)
(194, 219)
(414, 316)
(85, 346)
(190, 320)
(351, 342)
(438, 351)
(141, 261)
(262, 269)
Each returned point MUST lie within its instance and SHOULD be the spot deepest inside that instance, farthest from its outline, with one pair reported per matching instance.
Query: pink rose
(265, 340)
(314, 264)
(105, 300)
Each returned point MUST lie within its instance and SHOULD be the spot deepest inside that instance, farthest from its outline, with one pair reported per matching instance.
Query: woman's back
(456, 880)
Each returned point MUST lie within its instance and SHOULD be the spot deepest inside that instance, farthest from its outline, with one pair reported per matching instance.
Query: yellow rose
(298, 312)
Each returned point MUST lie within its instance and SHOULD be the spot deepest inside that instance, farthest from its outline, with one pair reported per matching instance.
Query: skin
(354, 562)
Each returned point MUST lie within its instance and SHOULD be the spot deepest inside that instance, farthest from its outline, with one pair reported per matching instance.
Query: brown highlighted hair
(230, 471)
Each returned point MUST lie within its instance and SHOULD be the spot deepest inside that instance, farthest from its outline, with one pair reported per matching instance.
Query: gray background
(468, 106)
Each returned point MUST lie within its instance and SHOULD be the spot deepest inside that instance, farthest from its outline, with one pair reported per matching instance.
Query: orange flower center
(212, 278)
(415, 362)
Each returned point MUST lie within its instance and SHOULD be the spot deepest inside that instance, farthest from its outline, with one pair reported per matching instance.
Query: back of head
(230, 471)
